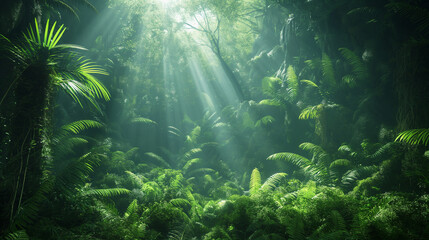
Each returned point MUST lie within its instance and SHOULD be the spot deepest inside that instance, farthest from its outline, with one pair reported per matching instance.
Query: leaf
(328, 71)
(270, 85)
(310, 112)
(81, 125)
(158, 159)
(310, 83)
(414, 136)
(359, 69)
(180, 203)
(143, 120)
(109, 192)
(273, 181)
(255, 181)
(340, 163)
(292, 83)
(132, 208)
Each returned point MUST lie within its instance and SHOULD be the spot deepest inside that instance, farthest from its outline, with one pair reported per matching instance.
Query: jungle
(214, 119)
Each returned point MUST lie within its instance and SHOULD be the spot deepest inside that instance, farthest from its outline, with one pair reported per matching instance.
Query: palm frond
(414, 136)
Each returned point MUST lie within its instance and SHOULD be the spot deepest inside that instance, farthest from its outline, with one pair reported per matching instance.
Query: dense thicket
(250, 119)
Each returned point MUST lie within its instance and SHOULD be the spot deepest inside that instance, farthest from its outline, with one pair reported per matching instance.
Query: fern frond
(158, 159)
(136, 179)
(310, 83)
(295, 229)
(417, 15)
(28, 212)
(193, 135)
(350, 80)
(293, 158)
(292, 83)
(132, 208)
(18, 235)
(75, 172)
(383, 150)
(180, 203)
(81, 125)
(201, 171)
(191, 153)
(109, 192)
(312, 148)
(340, 163)
(345, 148)
(328, 71)
(358, 67)
(273, 181)
(311, 112)
(191, 164)
(270, 102)
(255, 181)
(414, 136)
(270, 85)
(143, 120)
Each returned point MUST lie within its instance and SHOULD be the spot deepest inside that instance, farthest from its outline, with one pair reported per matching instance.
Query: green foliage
(18, 235)
(328, 71)
(72, 72)
(131, 209)
(143, 120)
(414, 136)
(270, 86)
(81, 125)
(359, 69)
(292, 83)
(105, 193)
(158, 159)
(273, 181)
(255, 181)
(311, 112)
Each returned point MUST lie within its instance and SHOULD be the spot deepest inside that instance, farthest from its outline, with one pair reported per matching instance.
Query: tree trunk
(23, 167)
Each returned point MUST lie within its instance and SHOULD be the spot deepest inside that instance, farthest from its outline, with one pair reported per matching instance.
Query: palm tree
(43, 66)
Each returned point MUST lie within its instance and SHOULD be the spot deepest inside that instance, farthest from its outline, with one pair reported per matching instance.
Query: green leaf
(292, 83)
(255, 181)
(414, 136)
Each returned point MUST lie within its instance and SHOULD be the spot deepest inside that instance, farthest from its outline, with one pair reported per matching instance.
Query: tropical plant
(42, 66)
(414, 136)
